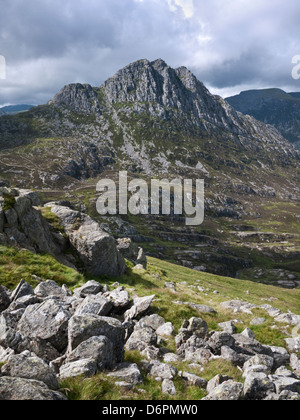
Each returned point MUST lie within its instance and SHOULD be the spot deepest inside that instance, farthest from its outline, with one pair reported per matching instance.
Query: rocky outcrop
(96, 249)
(49, 334)
(81, 98)
(22, 224)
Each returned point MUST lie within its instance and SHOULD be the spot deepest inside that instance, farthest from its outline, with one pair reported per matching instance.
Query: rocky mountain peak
(79, 97)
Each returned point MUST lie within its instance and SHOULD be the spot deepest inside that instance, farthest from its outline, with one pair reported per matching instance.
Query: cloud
(187, 7)
(229, 44)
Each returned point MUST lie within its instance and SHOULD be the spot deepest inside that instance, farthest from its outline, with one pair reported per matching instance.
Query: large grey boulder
(162, 370)
(259, 363)
(227, 391)
(139, 308)
(193, 379)
(82, 367)
(96, 249)
(91, 287)
(249, 346)
(19, 389)
(29, 366)
(220, 339)
(47, 320)
(128, 372)
(141, 338)
(83, 327)
(257, 386)
(295, 363)
(168, 387)
(95, 305)
(237, 359)
(293, 344)
(195, 326)
(120, 299)
(49, 288)
(23, 289)
(216, 381)
(98, 348)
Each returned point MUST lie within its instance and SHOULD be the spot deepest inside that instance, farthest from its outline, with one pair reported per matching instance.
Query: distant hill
(272, 106)
(14, 109)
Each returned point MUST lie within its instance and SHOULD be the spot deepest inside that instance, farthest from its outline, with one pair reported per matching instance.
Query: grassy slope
(15, 265)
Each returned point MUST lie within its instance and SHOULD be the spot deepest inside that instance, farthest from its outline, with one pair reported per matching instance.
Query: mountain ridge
(272, 106)
(157, 122)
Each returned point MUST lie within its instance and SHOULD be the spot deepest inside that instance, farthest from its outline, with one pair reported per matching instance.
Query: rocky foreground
(49, 333)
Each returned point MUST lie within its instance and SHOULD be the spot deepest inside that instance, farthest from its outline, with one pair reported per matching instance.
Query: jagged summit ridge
(148, 118)
(157, 88)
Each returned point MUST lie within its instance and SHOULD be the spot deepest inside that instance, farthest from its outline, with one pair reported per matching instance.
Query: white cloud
(187, 7)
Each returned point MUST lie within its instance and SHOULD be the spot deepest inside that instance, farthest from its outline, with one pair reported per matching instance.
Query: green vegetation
(21, 264)
(9, 201)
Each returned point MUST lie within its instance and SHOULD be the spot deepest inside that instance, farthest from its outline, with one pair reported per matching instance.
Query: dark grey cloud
(231, 45)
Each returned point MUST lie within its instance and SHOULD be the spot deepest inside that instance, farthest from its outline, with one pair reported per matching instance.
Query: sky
(230, 45)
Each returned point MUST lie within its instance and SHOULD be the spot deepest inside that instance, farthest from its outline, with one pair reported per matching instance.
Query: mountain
(14, 109)
(272, 106)
(148, 117)
(156, 121)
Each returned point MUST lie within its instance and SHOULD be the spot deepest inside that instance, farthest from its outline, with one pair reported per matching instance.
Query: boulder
(293, 344)
(216, 381)
(128, 372)
(257, 386)
(195, 326)
(120, 299)
(141, 338)
(249, 346)
(295, 363)
(140, 306)
(227, 391)
(166, 330)
(154, 321)
(193, 379)
(98, 348)
(237, 359)
(83, 327)
(29, 366)
(285, 383)
(95, 305)
(259, 363)
(220, 339)
(228, 327)
(47, 320)
(280, 355)
(20, 389)
(168, 387)
(23, 289)
(96, 249)
(91, 287)
(82, 367)
(49, 288)
(162, 370)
